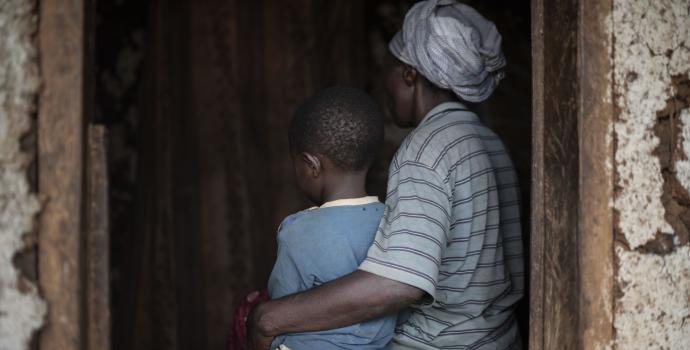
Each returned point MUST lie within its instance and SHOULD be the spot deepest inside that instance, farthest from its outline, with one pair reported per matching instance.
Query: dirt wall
(651, 60)
(21, 308)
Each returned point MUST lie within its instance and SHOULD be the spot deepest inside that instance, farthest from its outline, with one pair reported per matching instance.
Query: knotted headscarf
(453, 46)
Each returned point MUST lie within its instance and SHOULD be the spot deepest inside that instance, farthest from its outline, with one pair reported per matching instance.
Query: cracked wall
(21, 309)
(651, 60)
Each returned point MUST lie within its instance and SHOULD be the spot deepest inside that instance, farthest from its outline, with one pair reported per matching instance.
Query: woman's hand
(256, 340)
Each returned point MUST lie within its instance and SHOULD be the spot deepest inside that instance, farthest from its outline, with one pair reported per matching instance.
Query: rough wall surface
(21, 309)
(651, 60)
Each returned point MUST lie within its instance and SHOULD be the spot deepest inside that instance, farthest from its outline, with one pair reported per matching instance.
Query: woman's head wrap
(453, 46)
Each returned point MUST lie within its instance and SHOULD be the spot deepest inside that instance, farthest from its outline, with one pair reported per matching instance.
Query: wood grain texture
(555, 284)
(536, 285)
(60, 160)
(97, 241)
(596, 255)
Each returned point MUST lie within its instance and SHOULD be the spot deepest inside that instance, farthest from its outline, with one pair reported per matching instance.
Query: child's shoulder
(291, 219)
(345, 219)
(301, 221)
(335, 219)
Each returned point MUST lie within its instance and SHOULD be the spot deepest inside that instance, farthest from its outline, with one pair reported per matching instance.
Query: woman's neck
(429, 100)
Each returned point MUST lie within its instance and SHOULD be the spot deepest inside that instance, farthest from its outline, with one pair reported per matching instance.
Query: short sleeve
(290, 269)
(412, 235)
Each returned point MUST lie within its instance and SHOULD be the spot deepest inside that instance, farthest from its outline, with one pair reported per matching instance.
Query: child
(334, 137)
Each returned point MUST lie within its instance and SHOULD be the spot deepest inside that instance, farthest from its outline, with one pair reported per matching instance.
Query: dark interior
(197, 97)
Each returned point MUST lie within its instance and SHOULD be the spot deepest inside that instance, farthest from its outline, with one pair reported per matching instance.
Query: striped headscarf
(453, 46)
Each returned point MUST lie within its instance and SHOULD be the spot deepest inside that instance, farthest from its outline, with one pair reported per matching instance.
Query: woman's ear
(313, 164)
(409, 74)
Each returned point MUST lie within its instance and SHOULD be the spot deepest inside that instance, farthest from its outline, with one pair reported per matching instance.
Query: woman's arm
(351, 299)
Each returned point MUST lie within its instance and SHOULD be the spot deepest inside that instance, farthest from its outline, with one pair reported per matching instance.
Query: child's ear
(409, 74)
(313, 163)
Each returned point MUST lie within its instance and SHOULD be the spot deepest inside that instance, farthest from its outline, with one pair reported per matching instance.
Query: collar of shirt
(348, 201)
(442, 108)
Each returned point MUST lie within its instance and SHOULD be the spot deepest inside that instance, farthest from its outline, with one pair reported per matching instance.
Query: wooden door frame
(571, 284)
(572, 260)
(61, 137)
(73, 246)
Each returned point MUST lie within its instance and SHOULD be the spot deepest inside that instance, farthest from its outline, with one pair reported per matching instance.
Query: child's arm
(291, 270)
(354, 298)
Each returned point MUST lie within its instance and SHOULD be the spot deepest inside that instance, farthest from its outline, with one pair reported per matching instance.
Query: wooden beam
(555, 272)
(97, 242)
(596, 257)
(60, 161)
(536, 284)
(572, 243)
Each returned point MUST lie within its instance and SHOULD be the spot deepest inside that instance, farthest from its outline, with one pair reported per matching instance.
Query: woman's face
(398, 93)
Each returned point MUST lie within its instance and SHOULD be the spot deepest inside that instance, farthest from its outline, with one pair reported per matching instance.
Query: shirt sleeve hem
(401, 276)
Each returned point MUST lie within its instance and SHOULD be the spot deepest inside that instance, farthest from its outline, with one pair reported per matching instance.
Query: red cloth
(238, 332)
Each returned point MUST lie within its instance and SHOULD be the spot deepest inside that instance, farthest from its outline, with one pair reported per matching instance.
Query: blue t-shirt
(319, 245)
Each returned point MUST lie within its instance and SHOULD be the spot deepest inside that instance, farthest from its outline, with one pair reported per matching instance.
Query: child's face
(308, 175)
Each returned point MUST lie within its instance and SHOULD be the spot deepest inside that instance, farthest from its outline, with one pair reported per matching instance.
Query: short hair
(341, 123)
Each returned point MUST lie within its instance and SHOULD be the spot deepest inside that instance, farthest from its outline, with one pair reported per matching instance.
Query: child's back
(334, 137)
(322, 244)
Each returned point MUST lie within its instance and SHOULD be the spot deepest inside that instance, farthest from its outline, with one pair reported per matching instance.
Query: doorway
(197, 97)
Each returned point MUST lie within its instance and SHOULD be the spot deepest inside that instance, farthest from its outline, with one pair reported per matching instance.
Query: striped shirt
(451, 227)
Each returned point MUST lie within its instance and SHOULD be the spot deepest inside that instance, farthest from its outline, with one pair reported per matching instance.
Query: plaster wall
(651, 132)
(21, 308)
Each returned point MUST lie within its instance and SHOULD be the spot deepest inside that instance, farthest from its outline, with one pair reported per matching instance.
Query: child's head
(334, 135)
